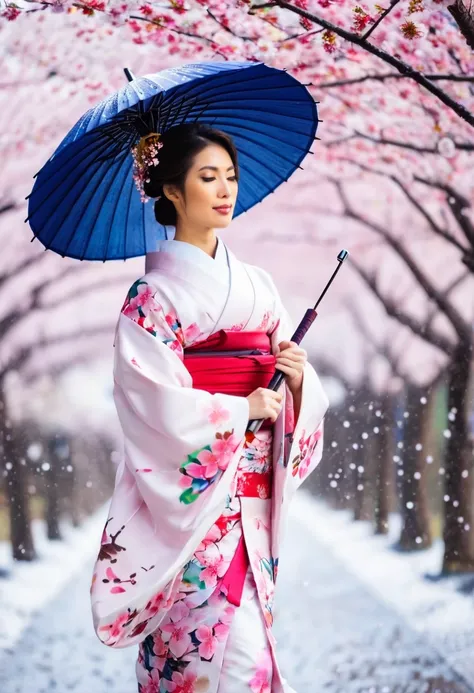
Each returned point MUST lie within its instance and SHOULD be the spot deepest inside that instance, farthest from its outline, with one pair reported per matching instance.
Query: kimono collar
(187, 252)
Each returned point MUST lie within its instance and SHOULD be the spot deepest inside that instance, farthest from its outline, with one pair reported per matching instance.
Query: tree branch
(391, 75)
(371, 29)
(384, 350)
(398, 64)
(460, 325)
(461, 146)
(425, 332)
(464, 18)
(458, 205)
(443, 233)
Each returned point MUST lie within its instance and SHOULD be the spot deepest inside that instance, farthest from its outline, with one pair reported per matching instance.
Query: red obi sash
(232, 363)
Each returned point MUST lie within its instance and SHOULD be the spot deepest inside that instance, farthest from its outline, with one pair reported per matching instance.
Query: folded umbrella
(84, 203)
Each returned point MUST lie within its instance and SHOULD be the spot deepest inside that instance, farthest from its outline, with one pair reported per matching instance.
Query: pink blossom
(153, 683)
(159, 646)
(202, 471)
(217, 414)
(178, 612)
(179, 638)
(213, 535)
(192, 332)
(185, 481)
(144, 294)
(221, 631)
(262, 680)
(209, 460)
(208, 641)
(184, 683)
(115, 629)
(224, 449)
(155, 604)
(216, 565)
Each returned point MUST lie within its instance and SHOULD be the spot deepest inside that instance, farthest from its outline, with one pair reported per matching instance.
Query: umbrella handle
(278, 377)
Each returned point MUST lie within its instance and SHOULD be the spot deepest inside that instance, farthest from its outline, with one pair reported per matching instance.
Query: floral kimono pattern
(176, 515)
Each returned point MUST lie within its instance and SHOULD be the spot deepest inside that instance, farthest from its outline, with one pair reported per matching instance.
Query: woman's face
(210, 190)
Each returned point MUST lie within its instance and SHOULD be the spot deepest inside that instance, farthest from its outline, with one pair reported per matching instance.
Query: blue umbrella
(84, 203)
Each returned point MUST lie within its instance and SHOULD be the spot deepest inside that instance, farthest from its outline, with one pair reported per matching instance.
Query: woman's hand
(265, 404)
(291, 360)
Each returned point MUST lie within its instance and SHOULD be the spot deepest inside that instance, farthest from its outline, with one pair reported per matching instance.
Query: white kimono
(175, 519)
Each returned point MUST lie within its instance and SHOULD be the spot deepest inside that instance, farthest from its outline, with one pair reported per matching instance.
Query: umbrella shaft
(279, 377)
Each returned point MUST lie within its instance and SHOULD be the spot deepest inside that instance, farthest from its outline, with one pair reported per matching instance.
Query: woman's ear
(171, 192)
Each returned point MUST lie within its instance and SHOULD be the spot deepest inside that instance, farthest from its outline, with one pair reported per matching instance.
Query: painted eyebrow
(214, 168)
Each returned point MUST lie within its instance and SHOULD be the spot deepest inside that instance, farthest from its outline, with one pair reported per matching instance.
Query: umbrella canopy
(84, 203)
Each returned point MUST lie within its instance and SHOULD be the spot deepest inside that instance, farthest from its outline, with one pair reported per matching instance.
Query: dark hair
(180, 145)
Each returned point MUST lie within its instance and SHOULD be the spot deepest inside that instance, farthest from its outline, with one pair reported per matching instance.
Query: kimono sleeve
(181, 450)
(304, 438)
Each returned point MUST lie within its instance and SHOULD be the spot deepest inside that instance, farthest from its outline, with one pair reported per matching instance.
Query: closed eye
(209, 180)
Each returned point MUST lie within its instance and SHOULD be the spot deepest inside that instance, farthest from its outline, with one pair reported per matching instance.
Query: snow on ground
(406, 582)
(29, 587)
(334, 636)
(352, 615)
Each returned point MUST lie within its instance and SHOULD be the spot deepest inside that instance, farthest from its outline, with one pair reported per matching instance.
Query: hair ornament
(145, 155)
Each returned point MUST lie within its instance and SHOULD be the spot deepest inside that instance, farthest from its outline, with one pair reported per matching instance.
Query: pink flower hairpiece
(145, 155)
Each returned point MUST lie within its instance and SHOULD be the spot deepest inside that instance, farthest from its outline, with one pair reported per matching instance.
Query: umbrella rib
(128, 171)
(55, 189)
(85, 206)
(67, 160)
(97, 213)
(68, 210)
(143, 228)
(267, 147)
(126, 222)
(208, 83)
(267, 127)
(260, 110)
(256, 175)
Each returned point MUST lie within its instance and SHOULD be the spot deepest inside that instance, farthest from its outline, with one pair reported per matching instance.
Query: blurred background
(378, 592)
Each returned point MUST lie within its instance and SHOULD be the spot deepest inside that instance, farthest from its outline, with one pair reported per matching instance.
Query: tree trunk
(363, 457)
(458, 516)
(52, 493)
(464, 18)
(16, 486)
(416, 532)
(383, 477)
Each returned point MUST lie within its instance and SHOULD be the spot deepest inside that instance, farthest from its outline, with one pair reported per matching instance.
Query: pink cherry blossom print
(178, 612)
(206, 470)
(209, 462)
(179, 638)
(144, 295)
(221, 631)
(192, 332)
(223, 449)
(184, 682)
(160, 648)
(215, 565)
(153, 683)
(262, 680)
(155, 604)
(115, 629)
(207, 648)
(185, 481)
(217, 415)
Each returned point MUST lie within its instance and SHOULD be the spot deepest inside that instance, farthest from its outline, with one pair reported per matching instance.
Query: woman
(189, 554)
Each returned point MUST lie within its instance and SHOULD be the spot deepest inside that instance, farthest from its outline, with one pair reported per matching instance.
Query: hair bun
(165, 211)
(152, 187)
